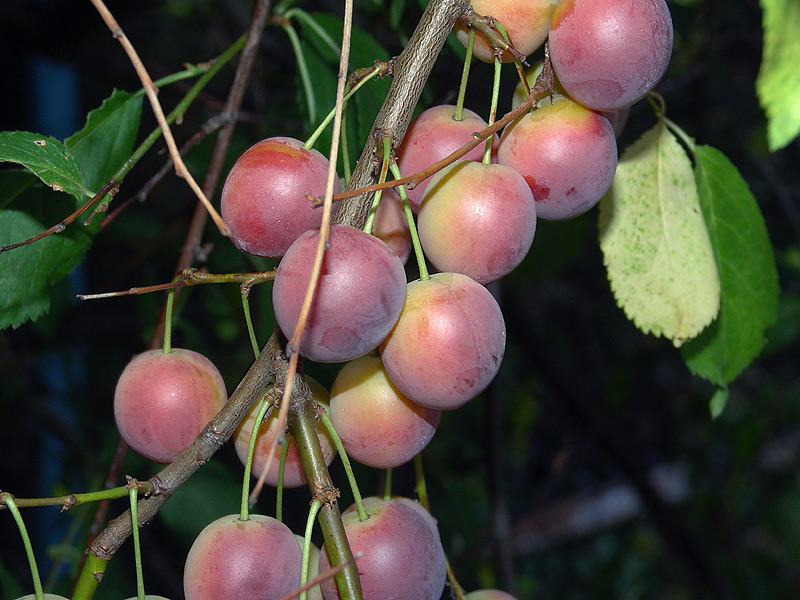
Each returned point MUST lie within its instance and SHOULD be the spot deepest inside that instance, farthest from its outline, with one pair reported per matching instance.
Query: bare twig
(152, 94)
(109, 188)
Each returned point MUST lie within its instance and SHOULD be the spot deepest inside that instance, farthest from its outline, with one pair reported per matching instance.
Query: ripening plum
(264, 199)
(391, 225)
(433, 135)
(566, 153)
(163, 401)
(526, 22)
(477, 219)
(371, 501)
(489, 595)
(359, 296)
(293, 475)
(401, 558)
(448, 343)
(609, 54)
(379, 427)
(241, 560)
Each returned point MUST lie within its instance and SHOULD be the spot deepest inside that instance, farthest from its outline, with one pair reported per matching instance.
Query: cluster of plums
(411, 349)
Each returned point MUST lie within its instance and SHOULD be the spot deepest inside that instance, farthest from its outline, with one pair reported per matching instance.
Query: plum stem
(167, 347)
(133, 489)
(348, 468)
(312, 516)
(248, 320)
(412, 228)
(487, 153)
(387, 484)
(462, 88)
(8, 500)
(265, 406)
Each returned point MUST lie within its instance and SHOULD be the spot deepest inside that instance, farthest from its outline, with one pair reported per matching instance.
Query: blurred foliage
(585, 405)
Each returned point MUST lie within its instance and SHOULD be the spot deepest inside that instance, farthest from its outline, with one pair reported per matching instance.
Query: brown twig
(486, 26)
(209, 127)
(109, 188)
(189, 277)
(152, 95)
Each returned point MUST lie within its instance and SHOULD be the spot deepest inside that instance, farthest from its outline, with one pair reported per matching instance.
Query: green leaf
(106, 141)
(746, 265)
(655, 243)
(324, 64)
(778, 83)
(28, 208)
(46, 157)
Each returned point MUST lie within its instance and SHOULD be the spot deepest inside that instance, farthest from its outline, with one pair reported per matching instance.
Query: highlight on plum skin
(163, 401)
(265, 197)
(527, 23)
(477, 219)
(566, 153)
(293, 475)
(433, 135)
(401, 558)
(240, 560)
(379, 427)
(448, 343)
(359, 296)
(607, 55)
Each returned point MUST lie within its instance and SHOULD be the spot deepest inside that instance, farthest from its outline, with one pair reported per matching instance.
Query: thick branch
(411, 71)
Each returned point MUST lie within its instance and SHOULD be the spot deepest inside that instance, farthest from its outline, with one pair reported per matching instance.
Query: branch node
(69, 502)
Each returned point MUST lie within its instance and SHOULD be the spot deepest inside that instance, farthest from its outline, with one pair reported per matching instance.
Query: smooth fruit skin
(264, 197)
(489, 595)
(359, 296)
(477, 219)
(242, 560)
(163, 401)
(371, 501)
(401, 559)
(609, 54)
(526, 22)
(391, 225)
(379, 427)
(566, 153)
(448, 343)
(433, 135)
(293, 475)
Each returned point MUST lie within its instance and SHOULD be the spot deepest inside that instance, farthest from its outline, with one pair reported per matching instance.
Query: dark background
(590, 469)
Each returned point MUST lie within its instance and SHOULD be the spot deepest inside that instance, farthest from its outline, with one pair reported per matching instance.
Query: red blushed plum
(609, 54)
(242, 560)
(527, 23)
(163, 401)
(431, 136)
(401, 558)
(489, 595)
(264, 199)
(477, 219)
(391, 225)
(359, 296)
(293, 475)
(448, 343)
(566, 153)
(379, 427)
(371, 501)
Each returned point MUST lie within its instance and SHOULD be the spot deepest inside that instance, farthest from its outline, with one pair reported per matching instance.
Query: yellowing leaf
(778, 83)
(655, 242)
